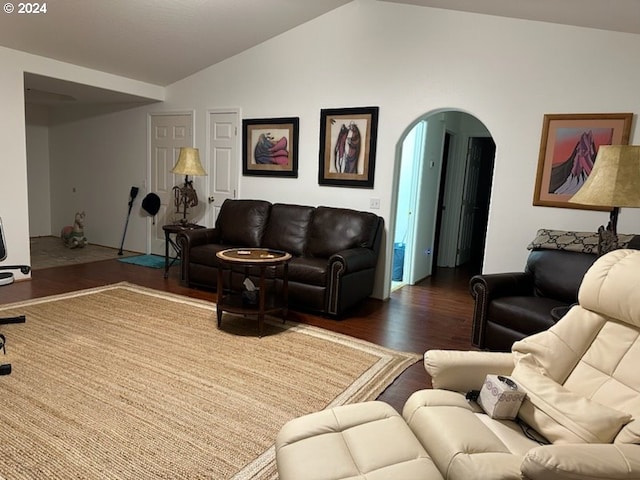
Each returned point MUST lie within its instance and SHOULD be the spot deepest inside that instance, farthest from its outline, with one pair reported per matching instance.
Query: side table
(174, 229)
(229, 301)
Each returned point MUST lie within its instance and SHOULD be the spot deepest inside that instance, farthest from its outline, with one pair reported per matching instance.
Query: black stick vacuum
(132, 195)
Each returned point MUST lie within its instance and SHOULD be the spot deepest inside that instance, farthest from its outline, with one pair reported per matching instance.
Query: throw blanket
(584, 242)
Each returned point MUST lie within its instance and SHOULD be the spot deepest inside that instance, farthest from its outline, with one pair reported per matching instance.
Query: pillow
(585, 242)
(560, 415)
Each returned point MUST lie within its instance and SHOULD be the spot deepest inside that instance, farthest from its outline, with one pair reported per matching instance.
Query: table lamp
(185, 195)
(614, 182)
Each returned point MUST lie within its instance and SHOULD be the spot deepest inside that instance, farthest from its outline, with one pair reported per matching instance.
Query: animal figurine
(73, 237)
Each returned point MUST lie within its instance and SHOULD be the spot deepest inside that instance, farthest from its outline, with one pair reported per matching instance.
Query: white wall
(409, 61)
(38, 170)
(94, 163)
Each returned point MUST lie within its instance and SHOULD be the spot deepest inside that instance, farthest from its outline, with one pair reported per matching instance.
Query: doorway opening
(443, 196)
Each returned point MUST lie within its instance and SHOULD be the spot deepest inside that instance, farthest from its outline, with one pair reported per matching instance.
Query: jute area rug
(124, 382)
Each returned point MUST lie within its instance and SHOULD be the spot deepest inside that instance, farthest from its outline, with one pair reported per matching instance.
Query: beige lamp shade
(614, 180)
(188, 162)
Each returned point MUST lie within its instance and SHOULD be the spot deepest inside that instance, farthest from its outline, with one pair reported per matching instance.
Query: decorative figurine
(73, 237)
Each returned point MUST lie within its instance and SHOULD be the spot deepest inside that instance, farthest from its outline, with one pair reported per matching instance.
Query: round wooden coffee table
(266, 302)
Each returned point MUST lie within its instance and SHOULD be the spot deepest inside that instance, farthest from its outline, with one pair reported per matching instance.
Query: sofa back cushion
(242, 222)
(558, 274)
(336, 229)
(288, 227)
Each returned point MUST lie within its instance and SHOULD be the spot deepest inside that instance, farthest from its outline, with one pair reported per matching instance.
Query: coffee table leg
(219, 294)
(262, 297)
(285, 292)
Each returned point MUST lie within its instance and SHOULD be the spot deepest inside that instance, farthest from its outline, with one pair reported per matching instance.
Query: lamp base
(608, 237)
(607, 241)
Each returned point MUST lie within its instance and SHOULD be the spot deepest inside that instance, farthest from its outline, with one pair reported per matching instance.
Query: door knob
(211, 199)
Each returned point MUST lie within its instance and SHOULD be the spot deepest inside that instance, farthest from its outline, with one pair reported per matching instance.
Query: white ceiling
(162, 41)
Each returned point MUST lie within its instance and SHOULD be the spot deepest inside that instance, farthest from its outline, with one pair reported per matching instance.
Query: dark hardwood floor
(436, 313)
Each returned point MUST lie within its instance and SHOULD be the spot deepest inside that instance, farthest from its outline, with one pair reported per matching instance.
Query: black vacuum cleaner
(132, 195)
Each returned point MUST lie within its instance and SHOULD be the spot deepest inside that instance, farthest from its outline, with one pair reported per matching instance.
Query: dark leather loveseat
(335, 250)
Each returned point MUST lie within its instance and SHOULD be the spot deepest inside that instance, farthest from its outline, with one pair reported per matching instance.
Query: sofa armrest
(462, 371)
(188, 239)
(485, 288)
(350, 278)
(354, 259)
(571, 461)
(198, 236)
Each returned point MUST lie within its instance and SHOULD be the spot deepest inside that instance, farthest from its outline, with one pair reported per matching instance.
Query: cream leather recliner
(579, 420)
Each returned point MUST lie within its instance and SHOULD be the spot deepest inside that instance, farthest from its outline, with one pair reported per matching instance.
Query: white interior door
(223, 159)
(427, 200)
(168, 132)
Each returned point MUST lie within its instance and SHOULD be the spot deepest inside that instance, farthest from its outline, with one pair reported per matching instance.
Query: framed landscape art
(348, 146)
(568, 151)
(270, 147)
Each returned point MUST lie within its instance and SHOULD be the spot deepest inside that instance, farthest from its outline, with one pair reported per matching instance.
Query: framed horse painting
(270, 147)
(348, 146)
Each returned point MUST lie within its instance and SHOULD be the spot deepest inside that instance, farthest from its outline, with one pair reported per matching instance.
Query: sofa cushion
(460, 442)
(558, 274)
(526, 315)
(309, 270)
(335, 229)
(287, 229)
(206, 254)
(242, 223)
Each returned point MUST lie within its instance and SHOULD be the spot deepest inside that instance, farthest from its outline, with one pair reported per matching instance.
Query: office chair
(6, 278)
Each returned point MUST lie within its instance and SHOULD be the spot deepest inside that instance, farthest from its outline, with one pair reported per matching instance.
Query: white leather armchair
(581, 415)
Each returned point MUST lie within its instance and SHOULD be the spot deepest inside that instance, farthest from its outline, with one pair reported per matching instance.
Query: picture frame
(348, 146)
(270, 147)
(568, 149)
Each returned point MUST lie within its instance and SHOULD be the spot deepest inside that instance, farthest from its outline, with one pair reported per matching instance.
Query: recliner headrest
(611, 287)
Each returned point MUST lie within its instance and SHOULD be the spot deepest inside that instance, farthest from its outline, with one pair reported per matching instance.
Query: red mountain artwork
(574, 156)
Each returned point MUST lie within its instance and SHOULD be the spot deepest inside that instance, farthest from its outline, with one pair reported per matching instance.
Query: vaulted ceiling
(162, 41)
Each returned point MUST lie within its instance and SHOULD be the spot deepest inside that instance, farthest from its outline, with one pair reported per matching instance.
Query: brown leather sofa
(335, 250)
(511, 306)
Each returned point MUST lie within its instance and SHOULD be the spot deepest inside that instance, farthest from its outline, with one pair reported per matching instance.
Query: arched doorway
(442, 195)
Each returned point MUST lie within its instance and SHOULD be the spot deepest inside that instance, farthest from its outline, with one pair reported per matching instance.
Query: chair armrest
(484, 288)
(354, 259)
(588, 461)
(496, 285)
(462, 371)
